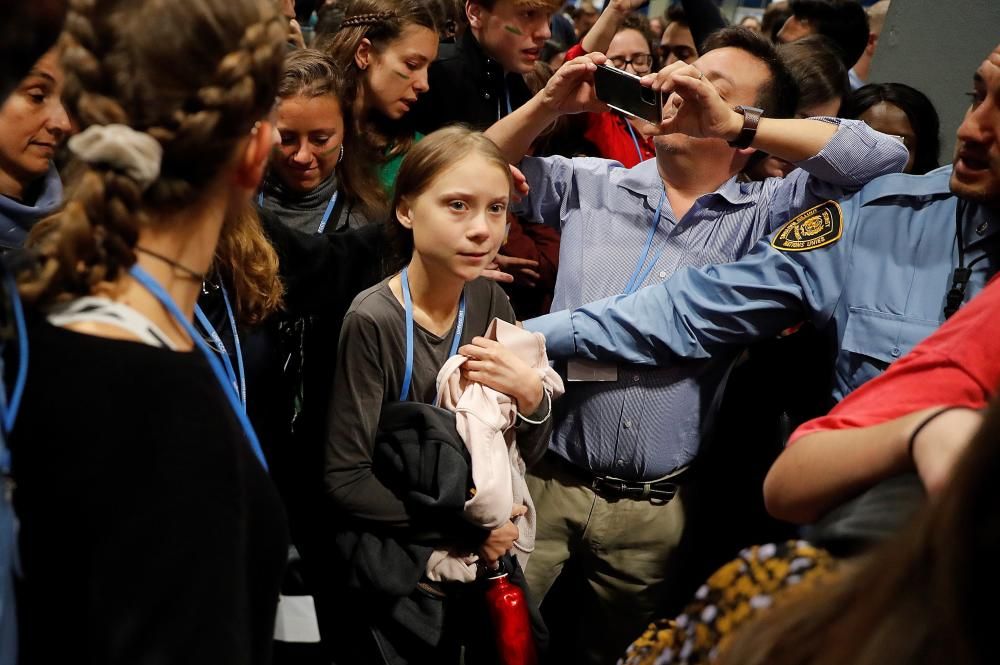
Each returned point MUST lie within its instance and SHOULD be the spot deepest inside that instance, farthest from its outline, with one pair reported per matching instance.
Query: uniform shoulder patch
(817, 227)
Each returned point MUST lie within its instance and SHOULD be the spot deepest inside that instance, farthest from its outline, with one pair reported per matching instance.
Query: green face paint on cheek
(401, 75)
(513, 30)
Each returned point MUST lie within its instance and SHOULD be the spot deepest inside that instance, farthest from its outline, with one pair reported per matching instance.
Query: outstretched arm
(599, 37)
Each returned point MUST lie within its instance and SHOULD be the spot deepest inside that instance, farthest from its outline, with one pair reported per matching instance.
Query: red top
(958, 365)
(609, 132)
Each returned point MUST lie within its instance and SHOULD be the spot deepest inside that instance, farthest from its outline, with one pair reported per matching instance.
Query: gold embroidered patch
(812, 229)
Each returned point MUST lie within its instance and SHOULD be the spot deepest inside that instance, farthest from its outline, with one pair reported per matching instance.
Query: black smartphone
(623, 92)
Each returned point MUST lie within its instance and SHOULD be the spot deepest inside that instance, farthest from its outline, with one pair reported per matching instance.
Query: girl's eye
(36, 96)
(319, 140)
(976, 98)
(457, 205)
(287, 140)
(412, 66)
(498, 208)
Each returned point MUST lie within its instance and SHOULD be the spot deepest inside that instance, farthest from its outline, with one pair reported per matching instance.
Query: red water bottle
(511, 623)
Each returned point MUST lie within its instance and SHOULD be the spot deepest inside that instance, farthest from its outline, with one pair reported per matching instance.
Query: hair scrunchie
(134, 153)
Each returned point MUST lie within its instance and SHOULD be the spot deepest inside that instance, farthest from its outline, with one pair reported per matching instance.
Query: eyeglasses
(641, 62)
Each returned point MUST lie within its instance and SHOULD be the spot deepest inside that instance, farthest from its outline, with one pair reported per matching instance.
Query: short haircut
(844, 22)
(780, 95)
(774, 18)
(675, 14)
(818, 71)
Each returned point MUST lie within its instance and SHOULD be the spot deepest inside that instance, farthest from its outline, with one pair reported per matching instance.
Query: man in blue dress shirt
(880, 270)
(625, 433)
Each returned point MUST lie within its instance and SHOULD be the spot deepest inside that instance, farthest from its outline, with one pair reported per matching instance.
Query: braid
(366, 19)
(155, 80)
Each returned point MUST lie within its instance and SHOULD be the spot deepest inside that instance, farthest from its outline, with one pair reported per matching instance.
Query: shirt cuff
(557, 328)
(543, 411)
(853, 156)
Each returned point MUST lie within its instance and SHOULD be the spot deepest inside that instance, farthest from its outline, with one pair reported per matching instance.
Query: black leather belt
(659, 491)
(655, 491)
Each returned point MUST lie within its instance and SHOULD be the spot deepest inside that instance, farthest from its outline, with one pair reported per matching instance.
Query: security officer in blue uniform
(880, 269)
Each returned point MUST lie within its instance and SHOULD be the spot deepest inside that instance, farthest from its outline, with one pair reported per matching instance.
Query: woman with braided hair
(384, 48)
(150, 531)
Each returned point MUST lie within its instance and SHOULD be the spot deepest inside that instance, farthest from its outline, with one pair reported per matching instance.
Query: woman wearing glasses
(625, 38)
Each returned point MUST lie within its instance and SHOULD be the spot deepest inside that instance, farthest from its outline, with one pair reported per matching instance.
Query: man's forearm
(515, 133)
(793, 140)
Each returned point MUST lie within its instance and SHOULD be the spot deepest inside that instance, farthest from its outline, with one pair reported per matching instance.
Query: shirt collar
(644, 180)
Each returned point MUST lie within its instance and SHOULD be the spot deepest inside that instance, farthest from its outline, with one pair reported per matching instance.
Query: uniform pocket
(876, 339)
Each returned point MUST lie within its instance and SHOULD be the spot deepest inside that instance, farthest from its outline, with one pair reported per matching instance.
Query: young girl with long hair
(150, 530)
(450, 212)
(384, 48)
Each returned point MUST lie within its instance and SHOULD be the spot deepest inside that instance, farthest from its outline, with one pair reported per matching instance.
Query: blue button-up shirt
(881, 287)
(648, 422)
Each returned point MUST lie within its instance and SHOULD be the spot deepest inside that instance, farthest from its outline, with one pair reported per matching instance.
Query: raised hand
(571, 88)
(693, 104)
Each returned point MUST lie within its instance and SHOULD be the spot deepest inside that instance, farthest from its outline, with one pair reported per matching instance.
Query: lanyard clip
(959, 281)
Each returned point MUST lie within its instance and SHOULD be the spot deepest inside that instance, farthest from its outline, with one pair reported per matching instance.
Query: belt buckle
(608, 485)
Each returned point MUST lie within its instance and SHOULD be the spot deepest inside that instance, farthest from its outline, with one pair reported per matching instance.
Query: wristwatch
(751, 118)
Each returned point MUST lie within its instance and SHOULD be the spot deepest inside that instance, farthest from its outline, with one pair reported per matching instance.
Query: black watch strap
(751, 118)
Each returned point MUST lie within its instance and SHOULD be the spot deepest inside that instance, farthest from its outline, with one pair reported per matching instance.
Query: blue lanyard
(228, 389)
(326, 215)
(506, 92)
(404, 393)
(241, 383)
(9, 408)
(631, 131)
(638, 275)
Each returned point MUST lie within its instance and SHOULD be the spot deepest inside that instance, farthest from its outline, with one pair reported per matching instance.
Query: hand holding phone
(624, 92)
(696, 108)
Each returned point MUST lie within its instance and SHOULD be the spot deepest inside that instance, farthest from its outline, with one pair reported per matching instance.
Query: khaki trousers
(620, 546)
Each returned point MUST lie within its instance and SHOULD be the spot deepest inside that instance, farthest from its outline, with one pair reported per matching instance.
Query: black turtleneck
(468, 87)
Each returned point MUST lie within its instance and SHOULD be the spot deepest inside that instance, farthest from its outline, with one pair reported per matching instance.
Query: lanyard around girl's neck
(228, 389)
(326, 215)
(404, 393)
(240, 382)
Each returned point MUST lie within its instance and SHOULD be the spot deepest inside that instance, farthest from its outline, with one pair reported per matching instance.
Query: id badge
(579, 369)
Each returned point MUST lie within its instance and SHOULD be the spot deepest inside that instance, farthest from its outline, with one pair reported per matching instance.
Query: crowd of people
(320, 318)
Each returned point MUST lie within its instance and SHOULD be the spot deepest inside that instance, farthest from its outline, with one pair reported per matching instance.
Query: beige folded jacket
(485, 420)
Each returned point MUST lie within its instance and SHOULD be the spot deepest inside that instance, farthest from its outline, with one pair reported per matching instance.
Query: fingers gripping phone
(623, 92)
